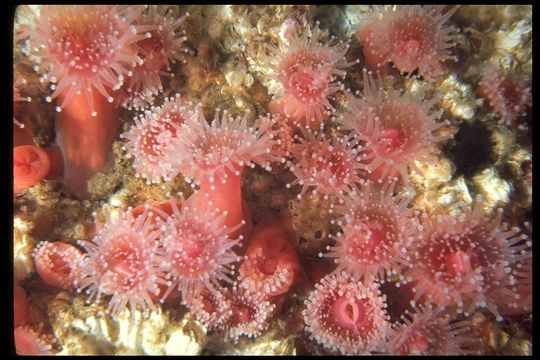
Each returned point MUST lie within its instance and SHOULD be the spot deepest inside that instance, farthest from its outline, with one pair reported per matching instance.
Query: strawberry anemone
(513, 295)
(30, 165)
(377, 232)
(30, 340)
(212, 308)
(306, 69)
(197, 249)
(396, 129)
(505, 94)
(85, 51)
(123, 261)
(271, 263)
(161, 47)
(346, 315)
(250, 313)
(214, 155)
(56, 263)
(148, 137)
(430, 332)
(410, 37)
(460, 261)
(329, 166)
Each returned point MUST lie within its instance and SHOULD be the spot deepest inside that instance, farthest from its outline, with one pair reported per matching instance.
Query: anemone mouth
(371, 236)
(350, 314)
(306, 75)
(189, 254)
(413, 41)
(124, 258)
(401, 127)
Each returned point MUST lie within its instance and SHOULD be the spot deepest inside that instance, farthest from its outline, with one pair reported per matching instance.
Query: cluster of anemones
(140, 256)
(146, 255)
(139, 252)
(83, 49)
(95, 58)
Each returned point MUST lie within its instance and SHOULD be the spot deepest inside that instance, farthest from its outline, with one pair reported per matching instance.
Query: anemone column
(85, 140)
(227, 196)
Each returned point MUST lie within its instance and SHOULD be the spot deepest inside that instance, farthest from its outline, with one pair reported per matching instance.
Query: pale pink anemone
(123, 261)
(31, 340)
(162, 46)
(504, 94)
(212, 308)
(271, 264)
(148, 138)
(304, 70)
(429, 331)
(397, 129)
(378, 229)
(513, 295)
(410, 37)
(211, 152)
(250, 313)
(56, 263)
(329, 166)
(83, 48)
(461, 261)
(197, 250)
(346, 315)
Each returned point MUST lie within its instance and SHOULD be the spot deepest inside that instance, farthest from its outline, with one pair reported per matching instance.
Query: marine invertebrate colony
(410, 37)
(289, 201)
